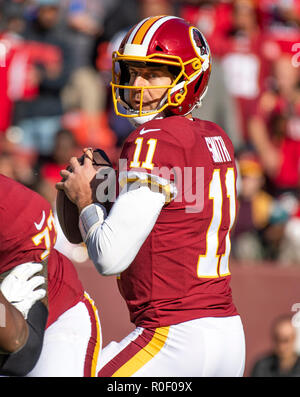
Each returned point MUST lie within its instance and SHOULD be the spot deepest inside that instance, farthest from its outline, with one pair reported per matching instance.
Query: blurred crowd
(55, 99)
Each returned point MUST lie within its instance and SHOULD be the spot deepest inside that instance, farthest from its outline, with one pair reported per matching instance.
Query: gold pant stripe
(146, 354)
(98, 343)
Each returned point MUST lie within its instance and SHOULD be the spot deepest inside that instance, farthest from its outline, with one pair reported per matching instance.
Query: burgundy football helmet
(163, 40)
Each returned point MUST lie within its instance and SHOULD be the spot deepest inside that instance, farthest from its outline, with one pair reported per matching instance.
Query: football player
(168, 232)
(60, 333)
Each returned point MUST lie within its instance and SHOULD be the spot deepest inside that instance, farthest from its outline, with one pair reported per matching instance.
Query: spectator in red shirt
(213, 18)
(40, 117)
(244, 63)
(48, 167)
(279, 17)
(275, 127)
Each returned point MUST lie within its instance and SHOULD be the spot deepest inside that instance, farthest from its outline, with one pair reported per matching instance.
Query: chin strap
(199, 103)
(139, 120)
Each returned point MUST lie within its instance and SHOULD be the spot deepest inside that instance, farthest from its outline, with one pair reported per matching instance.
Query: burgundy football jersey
(28, 233)
(181, 271)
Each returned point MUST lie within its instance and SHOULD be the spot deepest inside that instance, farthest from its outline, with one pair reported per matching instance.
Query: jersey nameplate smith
(217, 149)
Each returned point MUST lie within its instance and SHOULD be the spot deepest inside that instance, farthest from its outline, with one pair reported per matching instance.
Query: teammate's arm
(25, 318)
(13, 327)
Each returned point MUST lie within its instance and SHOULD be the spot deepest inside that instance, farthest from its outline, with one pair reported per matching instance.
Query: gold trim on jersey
(152, 184)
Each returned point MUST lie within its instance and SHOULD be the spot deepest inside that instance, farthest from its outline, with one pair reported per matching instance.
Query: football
(67, 212)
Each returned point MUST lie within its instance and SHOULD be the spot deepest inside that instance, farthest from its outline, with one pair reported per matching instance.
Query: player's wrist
(90, 218)
(83, 203)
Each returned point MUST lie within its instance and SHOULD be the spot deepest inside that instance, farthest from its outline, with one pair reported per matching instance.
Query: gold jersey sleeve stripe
(152, 184)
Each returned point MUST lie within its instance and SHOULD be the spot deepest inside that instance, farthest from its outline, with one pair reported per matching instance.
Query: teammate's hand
(19, 287)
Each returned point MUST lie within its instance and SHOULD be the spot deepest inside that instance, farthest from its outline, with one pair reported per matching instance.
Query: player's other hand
(20, 288)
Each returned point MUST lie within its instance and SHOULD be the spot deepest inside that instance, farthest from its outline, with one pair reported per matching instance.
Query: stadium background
(55, 60)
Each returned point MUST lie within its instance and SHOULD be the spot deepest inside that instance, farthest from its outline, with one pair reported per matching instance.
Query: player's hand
(77, 184)
(19, 287)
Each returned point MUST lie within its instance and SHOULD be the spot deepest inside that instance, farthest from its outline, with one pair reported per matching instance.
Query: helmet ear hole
(175, 70)
(124, 79)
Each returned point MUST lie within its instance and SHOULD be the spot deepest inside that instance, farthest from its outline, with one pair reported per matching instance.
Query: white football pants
(205, 347)
(71, 344)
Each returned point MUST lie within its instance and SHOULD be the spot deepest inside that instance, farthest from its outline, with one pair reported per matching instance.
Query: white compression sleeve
(114, 243)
